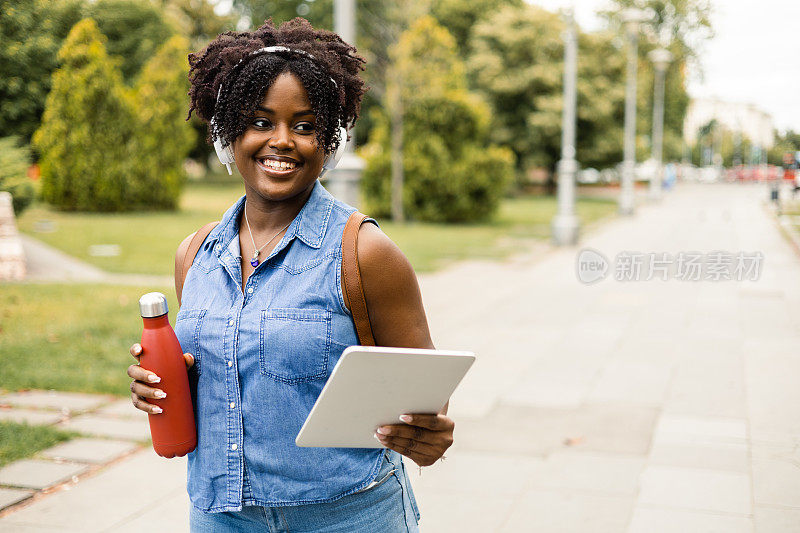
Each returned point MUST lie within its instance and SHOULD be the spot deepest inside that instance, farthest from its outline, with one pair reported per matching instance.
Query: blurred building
(746, 119)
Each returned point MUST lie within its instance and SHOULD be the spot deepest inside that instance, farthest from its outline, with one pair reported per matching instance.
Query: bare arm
(398, 318)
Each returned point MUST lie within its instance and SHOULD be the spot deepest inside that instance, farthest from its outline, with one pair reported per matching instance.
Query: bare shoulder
(376, 251)
(392, 292)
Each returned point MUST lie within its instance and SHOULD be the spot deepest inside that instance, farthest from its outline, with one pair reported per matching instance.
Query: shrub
(86, 129)
(163, 137)
(451, 171)
(105, 147)
(14, 162)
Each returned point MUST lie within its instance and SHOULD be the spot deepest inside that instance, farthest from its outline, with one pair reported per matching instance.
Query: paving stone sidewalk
(113, 429)
(641, 406)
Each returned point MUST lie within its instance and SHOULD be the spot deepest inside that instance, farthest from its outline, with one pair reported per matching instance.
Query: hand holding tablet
(370, 387)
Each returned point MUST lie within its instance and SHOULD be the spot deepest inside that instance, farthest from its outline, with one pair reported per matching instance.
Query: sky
(754, 56)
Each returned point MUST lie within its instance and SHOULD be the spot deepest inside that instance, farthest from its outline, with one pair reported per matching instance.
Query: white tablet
(373, 386)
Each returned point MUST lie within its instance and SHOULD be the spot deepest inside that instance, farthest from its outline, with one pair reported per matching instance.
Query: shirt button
(233, 405)
(230, 364)
(250, 290)
(230, 322)
(234, 446)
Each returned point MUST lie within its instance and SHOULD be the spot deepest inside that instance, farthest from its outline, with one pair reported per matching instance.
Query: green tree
(163, 137)
(787, 142)
(452, 173)
(197, 20)
(134, 30)
(14, 162)
(459, 17)
(682, 27)
(601, 100)
(319, 13)
(31, 32)
(517, 63)
(86, 128)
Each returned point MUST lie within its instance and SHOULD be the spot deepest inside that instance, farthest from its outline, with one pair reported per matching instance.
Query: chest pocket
(295, 344)
(187, 329)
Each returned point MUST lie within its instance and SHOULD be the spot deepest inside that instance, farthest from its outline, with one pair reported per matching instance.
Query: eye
(305, 127)
(261, 123)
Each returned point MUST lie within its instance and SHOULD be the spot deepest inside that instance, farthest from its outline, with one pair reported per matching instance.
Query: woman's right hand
(141, 388)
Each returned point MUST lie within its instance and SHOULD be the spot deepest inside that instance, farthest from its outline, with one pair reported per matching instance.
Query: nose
(281, 138)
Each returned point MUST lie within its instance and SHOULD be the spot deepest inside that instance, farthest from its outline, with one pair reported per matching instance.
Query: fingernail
(160, 394)
(376, 436)
(157, 410)
(405, 418)
(152, 378)
(383, 431)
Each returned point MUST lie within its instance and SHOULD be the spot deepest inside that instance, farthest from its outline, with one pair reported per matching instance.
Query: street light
(565, 223)
(343, 182)
(631, 18)
(661, 59)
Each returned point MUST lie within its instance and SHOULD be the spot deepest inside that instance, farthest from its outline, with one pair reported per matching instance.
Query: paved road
(638, 406)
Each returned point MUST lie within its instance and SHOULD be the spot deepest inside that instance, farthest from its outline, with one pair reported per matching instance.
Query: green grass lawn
(76, 337)
(18, 441)
(148, 240)
(69, 337)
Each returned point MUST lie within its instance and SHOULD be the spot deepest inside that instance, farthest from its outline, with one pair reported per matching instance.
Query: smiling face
(278, 155)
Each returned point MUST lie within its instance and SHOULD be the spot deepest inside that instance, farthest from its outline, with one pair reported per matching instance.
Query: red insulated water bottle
(173, 430)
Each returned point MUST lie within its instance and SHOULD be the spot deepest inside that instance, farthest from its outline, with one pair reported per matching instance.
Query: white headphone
(225, 151)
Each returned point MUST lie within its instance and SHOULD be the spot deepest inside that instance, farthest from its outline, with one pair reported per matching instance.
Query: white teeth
(278, 165)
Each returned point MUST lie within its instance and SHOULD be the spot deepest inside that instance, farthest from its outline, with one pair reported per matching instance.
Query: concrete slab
(31, 416)
(567, 512)
(37, 474)
(776, 481)
(106, 426)
(121, 408)
(478, 473)
(458, 512)
(71, 401)
(9, 497)
(696, 489)
(776, 519)
(96, 451)
(682, 430)
(616, 428)
(592, 472)
(657, 520)
(171, 514)
(722, 456)
(632, 381)
(108, 498)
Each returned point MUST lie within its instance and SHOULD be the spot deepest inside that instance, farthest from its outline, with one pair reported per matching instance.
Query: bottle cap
(153, 304)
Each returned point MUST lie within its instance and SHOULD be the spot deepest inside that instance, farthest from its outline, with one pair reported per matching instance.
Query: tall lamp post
(660, 58)
(631, 19)
(343, 182)
(565, 223)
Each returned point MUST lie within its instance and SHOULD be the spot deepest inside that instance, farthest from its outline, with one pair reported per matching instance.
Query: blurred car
(588, 175)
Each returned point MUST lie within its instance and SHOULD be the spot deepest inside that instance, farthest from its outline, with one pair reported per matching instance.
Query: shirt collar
(309, 226)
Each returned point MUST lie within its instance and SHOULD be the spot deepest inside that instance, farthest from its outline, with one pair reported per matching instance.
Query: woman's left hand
(422, 438)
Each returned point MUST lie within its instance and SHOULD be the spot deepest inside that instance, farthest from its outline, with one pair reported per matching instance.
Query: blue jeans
(387, 505)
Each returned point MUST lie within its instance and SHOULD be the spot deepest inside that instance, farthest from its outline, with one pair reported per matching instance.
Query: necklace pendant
(254, 260)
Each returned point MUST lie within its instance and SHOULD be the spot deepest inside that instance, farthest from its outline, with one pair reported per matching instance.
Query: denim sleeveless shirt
(262, 357)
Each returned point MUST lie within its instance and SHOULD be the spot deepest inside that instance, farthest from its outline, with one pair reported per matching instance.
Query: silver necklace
(254, 261)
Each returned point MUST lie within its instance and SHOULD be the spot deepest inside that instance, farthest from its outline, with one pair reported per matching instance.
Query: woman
(263, 314)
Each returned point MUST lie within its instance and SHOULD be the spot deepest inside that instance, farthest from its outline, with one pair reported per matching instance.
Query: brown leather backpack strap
(351, 279)
(191, 252)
